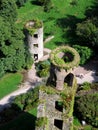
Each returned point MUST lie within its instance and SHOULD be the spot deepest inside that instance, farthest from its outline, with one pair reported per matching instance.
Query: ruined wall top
(32, 25)
(65, 57)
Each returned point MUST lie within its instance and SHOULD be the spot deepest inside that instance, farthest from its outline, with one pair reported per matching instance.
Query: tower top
(32, 25)
(65, 57)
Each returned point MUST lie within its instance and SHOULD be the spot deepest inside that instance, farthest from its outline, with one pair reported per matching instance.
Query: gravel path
(89, 77)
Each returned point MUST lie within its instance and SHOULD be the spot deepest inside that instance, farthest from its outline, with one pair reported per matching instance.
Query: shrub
(28, 100)
(43, 68)
(42, 121)
(87, 108)
(84, 52)
(86, 86)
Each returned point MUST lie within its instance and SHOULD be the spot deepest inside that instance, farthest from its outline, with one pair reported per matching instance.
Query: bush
(28, 100)
(42, 121)
(84, 52)
(86, 86)
(43, 68)
(87, 108)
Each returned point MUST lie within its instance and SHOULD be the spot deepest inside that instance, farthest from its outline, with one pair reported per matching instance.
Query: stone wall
(48, 109)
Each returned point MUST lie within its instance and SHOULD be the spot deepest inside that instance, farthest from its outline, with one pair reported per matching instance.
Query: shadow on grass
(13, 118)
(68, 24)
(35, 2)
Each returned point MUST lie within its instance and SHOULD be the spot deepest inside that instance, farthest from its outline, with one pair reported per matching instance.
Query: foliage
(84, 52)
(73, 2)
(87, 108)
(42, 121)
(47, 4)
(28, 100)
(20, 2)
(43, 68)
(63, 11)
(13, 54)
(94, 86)
(28, 60)
(12, 48)
(88, 31)
(9, 83)
(86, 86)
(49, 90)
(8, 10)
(32, 28)
(59, 61)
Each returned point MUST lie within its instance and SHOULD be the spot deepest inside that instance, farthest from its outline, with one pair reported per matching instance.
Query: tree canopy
(13, 51)
(84, 52)
(87, 30)
(87, 108)
(8, 10)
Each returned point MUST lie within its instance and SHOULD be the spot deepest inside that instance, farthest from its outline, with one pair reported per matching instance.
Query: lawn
(60, 21)
(25, 121)
(9, 83)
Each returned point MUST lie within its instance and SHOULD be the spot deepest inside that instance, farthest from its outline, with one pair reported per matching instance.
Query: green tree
(87, 108)
(8, 10)
(12, 48)
(87, 31)
(84, 52)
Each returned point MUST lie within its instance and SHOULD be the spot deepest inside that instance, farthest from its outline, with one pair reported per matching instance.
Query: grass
(9, 83)
(25, 121)
(58, 22)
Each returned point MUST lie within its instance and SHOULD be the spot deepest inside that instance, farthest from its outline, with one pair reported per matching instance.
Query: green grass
(63, 13)
(76, 122)
(9, 83)
(25, 121)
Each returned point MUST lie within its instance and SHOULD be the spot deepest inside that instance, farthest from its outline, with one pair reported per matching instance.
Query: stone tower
(35, 38)
(63, 60)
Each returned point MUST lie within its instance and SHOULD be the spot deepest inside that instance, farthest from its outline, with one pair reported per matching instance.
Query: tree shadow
(13, 118)
(68, 24)
(20, 112)
(35, 2)
(92, 11)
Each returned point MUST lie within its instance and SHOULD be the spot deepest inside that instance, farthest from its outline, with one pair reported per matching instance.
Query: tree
(20, 2)
(87, 31)
(8, 10)
(84, 52)
(13, 54)
(87, 108)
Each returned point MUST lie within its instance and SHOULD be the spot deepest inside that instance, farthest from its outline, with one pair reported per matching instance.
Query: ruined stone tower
(35, 38)
(63, 60)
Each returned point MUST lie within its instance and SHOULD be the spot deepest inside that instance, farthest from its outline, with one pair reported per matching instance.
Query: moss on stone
(69, 57)
(33, 25)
